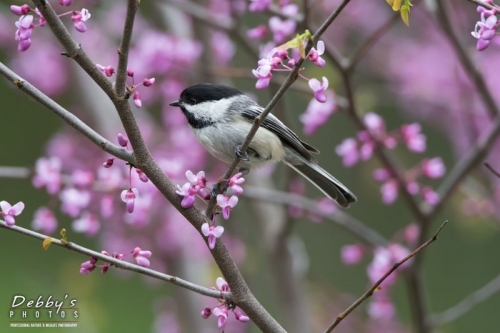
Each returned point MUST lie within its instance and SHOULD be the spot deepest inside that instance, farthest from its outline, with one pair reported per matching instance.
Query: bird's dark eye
(192, 101)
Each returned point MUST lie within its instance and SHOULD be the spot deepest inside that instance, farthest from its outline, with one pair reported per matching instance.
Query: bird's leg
(242, 155)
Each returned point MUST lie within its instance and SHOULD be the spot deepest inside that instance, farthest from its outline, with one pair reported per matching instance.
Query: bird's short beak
(175, 103)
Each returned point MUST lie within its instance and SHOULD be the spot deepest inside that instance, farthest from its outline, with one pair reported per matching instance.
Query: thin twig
(496, 173)
(485, 4)
(14, 172)
(67, 116)
(120, 263)
(128, 27)
(468, 303)
(370, 291)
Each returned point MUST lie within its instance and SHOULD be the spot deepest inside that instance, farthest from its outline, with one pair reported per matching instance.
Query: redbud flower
(226, 203)
(44, 220)
(129, 196)
(389, 191)
(381, 307)
(79, 18)
(88, 266)
(235, 182)
(281, 28)
(258, 32)
(222, 284)
(48, 174)
(259, 5)
(319, 89)
(430, 195)
(263, 75)
(87, 223)
(65, 2)
(148, 82)
(20, 10)
(142, 176)
(381, 175)
(212, 232)
(108, 163)
(414, 139)
(484, 31)
(141, 257)
(130, 72)
(107, 70)
(73, 201)
(81, 178)
(189, 194)
(433, 168)
(8, 211)
(239, 316)
(137, 100)
(206, 312)
(348, 150)
(315, 55)
(199, 180)
(221, 315)
(352, 254)
(318, 113)
(23, 33)
(122, 140)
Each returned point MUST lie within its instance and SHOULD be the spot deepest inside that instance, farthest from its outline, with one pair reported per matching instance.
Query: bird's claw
(242, 155)
(244, 171)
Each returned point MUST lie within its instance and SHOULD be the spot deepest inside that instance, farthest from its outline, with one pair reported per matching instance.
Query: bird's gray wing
(284, 133)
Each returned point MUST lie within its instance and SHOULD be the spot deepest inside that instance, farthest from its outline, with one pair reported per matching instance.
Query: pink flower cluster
(197, 185)
(8, 211)
(25, 23)
(221, 311)
(429, 168)
(136, 97)
(485, 30)
(352, 150)
(140, 256)
(275, 61)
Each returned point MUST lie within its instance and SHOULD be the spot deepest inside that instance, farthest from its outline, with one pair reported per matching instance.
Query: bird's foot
(242, 155)
(244, 171)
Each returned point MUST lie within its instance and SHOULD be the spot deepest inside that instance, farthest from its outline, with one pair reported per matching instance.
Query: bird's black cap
(204, 92)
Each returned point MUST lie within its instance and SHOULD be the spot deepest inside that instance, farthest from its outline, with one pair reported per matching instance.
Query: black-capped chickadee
(221, 118)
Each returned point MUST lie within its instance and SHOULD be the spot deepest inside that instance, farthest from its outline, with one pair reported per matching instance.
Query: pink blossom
(206, 312)
(65, 2)
(411, 233)
(319, 89)
(74, 200)
(485, 30)
(189, 193)
(259, 5)
(258, 32)
(221, 315)
(212, 232)
(48, 174)
(88, 266)
(315, 54)
(141, 257)
(148, 82)
(122, 140)
(433, 168)
(223, 46)
(23, 33)
(20, 10)
(142, 176)
(79, 18)
(382, 262)
(414, 139)
(109, 163)
(8, 212)
(82, 178)
(199, 181)
(413, 187)
(129, 196)
(263, 75)
(430, 195)
(235, 182)
(239, 316)
(226, 203)
(44, 220)
(222, 285)
(381, 174)
(107, 70)
(352, 254)
(389, 191)
(318, 113)
(281, 29)
(87, 223)
(381, 307)
(137, 99)
(348, 150)
(374, 123)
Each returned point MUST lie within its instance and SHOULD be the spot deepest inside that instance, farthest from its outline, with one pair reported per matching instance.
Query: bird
(221, 117)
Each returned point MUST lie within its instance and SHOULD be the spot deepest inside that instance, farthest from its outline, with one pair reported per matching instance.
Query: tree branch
(370, 291)
(67, 116)
(121, 264)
